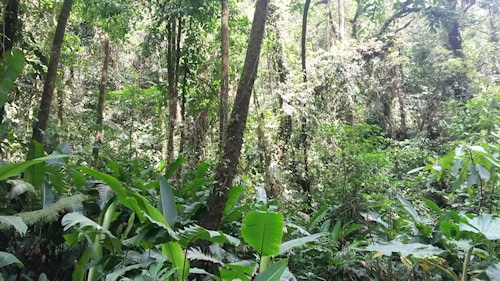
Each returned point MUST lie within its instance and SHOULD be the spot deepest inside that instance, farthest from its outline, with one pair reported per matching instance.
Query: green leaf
(493, 271)
(167, 201)
(433, 206)
(274, 272)
(415, 170)
(317, 217)
(76, 219)
(234, 194)
(484, 174)
(12, 65)
(12, 170)
(417, 250)
(336, 232)
(299, 242)
(174, 167)
(47, 195)
(192, 233)
(16, 222)
(263, 231)
(409, 207)
(132, 200)
(484, 224)
(175, 254)
(237, 271)
(8, 258)
(374, 216)
(119, 272)
(19, 187)
(35, 174)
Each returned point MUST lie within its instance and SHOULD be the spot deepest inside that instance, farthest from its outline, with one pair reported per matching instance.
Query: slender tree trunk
(173, 56)
(224, 91)
(304, 181)
(354, 21)
(460, 83)
(8, 34)
(48, 89)
(100, 102)
(494, 15)
(233, 139)
(341, 22)
(303, 40)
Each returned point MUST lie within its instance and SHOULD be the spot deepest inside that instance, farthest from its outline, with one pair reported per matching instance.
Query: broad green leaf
(119, 272)
(167, 201)
(19, 187)
(76, 219)
(11, 67)
(317, 217)
(234, 274)
(174, 167)
(132, 200)
(299, 242)
(433, 206)
(484, 174)
(12, 170)
(35, 174)
(192, 233)
(175, 254)
(47, 195)
(239, 270)
(374, 216)
(415, 170)
(493, 271)
(16, 222)
(336, 232)
(485, 224)
(234, 194)
(409, 207)
(263, 231)
(274, 272)
(8, 258)
(417, 250)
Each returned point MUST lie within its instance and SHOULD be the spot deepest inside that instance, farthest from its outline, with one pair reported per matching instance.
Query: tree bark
(173, 58)
(224, 91)
(233, 139)
(341, 22)
(304, 181)
(48, 89)
(100, 102)
(8, 34)
(303, 41)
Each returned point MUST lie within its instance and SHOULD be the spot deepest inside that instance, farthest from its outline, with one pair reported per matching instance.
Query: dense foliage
(370, 152)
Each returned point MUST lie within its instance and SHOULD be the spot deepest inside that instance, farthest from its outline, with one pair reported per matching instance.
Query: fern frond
(197, 254)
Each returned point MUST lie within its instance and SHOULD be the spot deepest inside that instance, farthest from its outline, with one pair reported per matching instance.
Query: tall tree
(173, 59)
(100, 100)
(50, 79)
(224, 85)
(303, 178)
(233, 138)
(341, 22)
(8, 34)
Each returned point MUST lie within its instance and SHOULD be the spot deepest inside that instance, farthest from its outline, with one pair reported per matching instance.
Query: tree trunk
(233, 138)
(48, 89)
(224, 91)
(354, 21)
(341, 22)
(100, 102)
(303, 41)
(8, 34)
(304, 181)
(173, 57)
